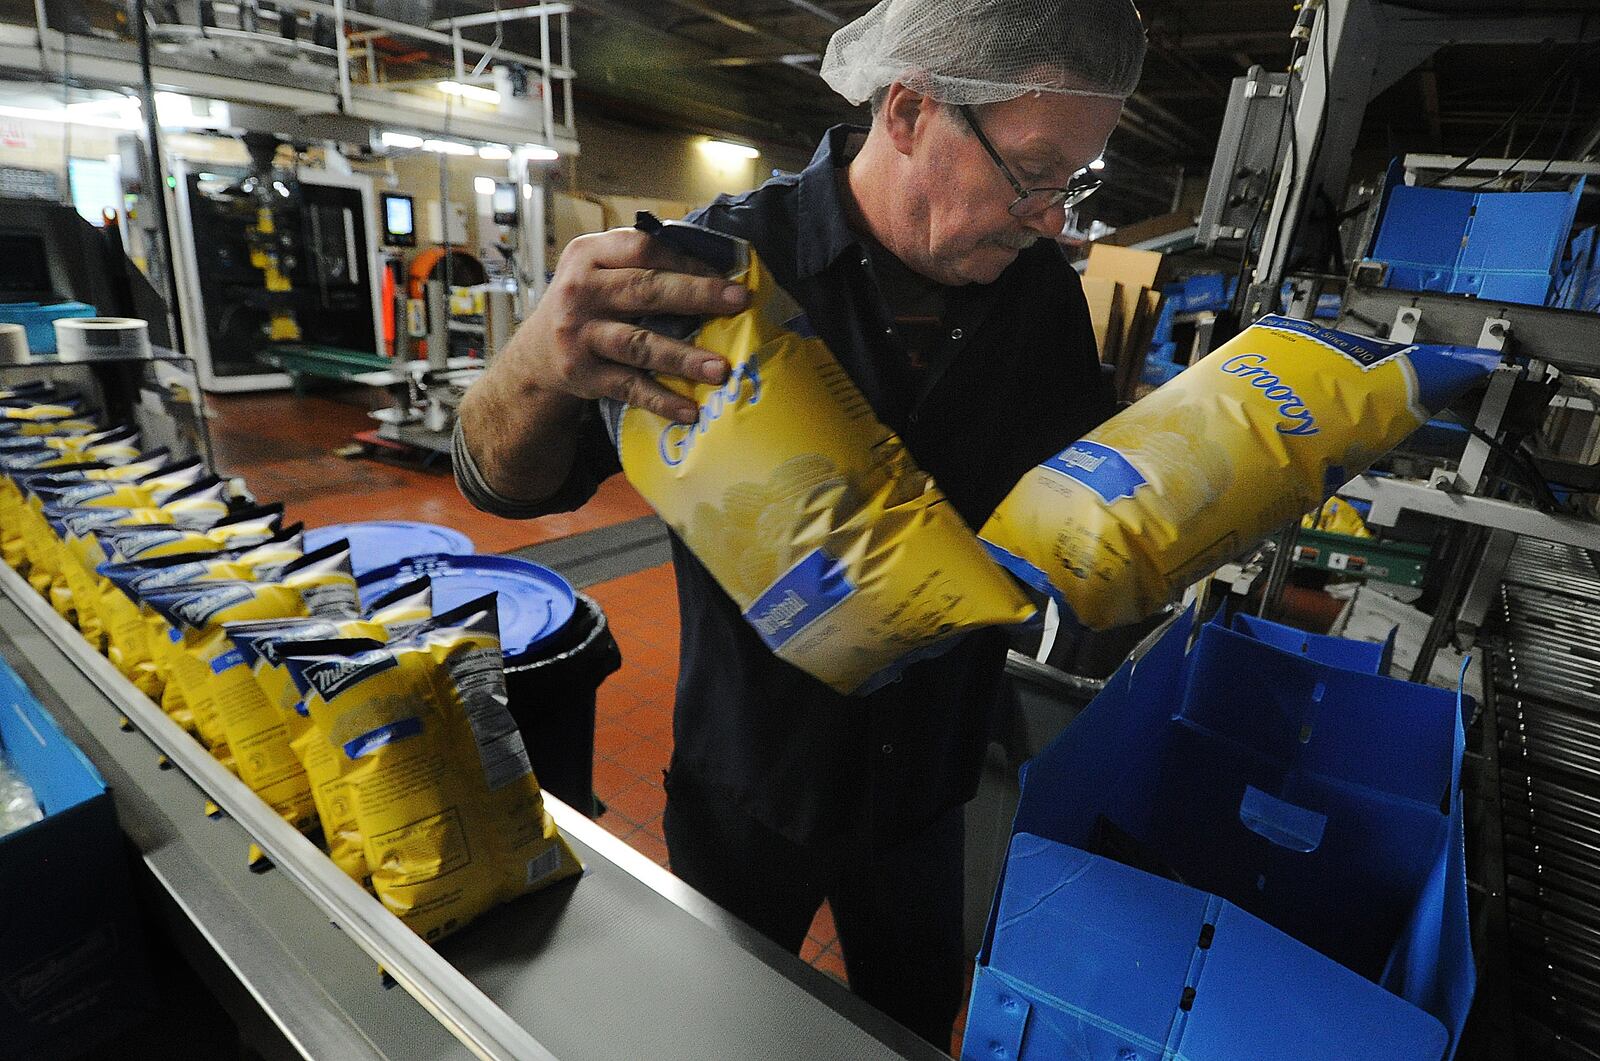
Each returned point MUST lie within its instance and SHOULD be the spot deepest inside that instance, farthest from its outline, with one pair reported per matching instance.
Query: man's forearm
(521, 439)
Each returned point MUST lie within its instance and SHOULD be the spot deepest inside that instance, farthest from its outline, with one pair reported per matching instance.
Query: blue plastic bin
(1361, 656)
(1499, 246)
(1323, 801)
(73, 972)
(40, 320)
(1159, 970)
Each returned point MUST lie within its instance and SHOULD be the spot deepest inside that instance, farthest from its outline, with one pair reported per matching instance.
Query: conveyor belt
(625, 962)
(1544, 704)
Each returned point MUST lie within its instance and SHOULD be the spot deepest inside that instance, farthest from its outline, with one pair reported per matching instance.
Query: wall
(623, 168)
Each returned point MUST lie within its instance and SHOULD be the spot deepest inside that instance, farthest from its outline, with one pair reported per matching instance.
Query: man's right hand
(580, 340)
(581, 343)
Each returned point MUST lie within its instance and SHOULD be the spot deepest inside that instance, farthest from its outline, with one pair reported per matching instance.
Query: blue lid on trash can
(380, 543)
(535, 603)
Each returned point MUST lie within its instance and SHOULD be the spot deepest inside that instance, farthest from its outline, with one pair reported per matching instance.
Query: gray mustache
(1018, 242)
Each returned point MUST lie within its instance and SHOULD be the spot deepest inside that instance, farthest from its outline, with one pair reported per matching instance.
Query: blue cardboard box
(1235, 845)
(72, 968)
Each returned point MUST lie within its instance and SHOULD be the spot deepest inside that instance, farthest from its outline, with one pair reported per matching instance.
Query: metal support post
(342, 45)
(438, 326)
(1278, 573)
(1480, 594)
(547, 104)
(1468, 542)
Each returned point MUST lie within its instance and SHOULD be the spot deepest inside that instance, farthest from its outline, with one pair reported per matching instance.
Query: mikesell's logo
(331, 677)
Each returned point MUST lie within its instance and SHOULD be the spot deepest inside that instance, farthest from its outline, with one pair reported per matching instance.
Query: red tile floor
(282, 445)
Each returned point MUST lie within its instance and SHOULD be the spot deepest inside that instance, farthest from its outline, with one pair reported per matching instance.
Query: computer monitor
(399, 219)
(504, 203)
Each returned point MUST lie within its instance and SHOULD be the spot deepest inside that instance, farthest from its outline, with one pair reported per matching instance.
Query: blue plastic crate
(40, 321)
(1500, 246)
(1363, 656)
(72, 962)
(1323, 801)
(1095, 961)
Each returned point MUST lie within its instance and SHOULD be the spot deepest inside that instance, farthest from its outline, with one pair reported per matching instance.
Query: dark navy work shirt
(1010, 377)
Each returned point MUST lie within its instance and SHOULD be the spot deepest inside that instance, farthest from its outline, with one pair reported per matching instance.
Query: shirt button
(888, 749)
(888, 331)
(957, 333)
(863, 263)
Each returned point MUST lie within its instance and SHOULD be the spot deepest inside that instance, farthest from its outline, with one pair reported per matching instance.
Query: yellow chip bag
(1261, 430)
(42, 451)
(200, 505)
(319, 583)
(450, 813)
(129, 624)
(1337, 516)
(38, 412)
(842, 554)
(63, 425)
(263, 645)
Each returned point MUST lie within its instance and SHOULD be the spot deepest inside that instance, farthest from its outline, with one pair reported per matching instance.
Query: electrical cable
(1566, 130)
(1527, 104)
(1515, 457)
(1532, 140)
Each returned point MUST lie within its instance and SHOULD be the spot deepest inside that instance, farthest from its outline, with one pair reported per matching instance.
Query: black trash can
(552, 700)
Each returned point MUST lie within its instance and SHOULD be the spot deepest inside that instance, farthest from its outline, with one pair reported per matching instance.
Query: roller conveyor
(1543, 707)
(624, 962)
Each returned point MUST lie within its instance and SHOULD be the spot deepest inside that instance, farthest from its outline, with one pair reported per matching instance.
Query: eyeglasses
(1031, 202)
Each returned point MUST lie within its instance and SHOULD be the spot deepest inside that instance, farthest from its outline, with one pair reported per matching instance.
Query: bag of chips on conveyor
(1257, 433)
(843, 555)
(450, 814)
(133, 630)
(76, 587)
(57, 423)
(115, 445)
(63, 490)
(263, 644)
(319, 583)
(15, 487)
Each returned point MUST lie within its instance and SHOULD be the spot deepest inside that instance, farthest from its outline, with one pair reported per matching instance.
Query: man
(921, 251)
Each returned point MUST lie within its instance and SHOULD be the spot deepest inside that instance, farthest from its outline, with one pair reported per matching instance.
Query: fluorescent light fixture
(540, 153)
(483, 185)
(1098, 164)
(449, 147)
(401, 140)
(728, 151)
(472, 92)
(59, 115)
(494, 152)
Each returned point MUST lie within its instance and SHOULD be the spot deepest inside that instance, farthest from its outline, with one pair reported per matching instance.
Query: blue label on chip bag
(807, 591)
(368, 743)
(228, 660)
(1100, 468)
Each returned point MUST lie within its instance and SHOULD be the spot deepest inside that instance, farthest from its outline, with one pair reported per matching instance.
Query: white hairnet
(986, 51)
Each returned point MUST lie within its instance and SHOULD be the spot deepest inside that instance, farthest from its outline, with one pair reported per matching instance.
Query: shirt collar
(824, 230)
